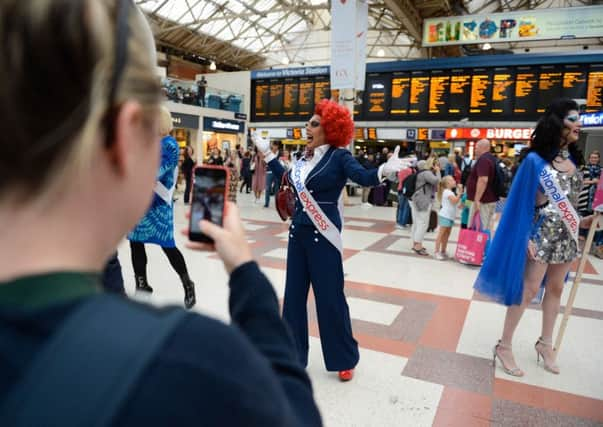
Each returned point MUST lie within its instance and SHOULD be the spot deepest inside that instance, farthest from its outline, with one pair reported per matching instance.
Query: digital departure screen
(291, 98)
(378, 89)
(594, 91)
(438, 92)
(549, 86)
(322, 89)
(276, 98)
(419, 93)
(517, 92)
(574, 81)
(460, 89)
(481, 91)
(400, 93)
(306, 98)
(503, 91)
(262, 98)
(526, 86)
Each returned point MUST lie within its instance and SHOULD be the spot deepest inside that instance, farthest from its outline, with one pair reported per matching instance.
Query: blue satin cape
(501, 276)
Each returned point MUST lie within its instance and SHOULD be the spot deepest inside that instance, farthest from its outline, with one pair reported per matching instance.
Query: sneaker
(399, 227)
(440, 256)
(367, 205)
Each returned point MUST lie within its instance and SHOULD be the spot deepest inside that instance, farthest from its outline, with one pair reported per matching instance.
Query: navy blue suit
(311, 258)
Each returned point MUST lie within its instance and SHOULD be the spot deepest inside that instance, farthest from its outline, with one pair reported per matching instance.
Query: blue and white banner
(360, 48)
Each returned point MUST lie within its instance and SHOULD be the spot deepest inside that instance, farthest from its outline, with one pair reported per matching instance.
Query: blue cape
(501, 276)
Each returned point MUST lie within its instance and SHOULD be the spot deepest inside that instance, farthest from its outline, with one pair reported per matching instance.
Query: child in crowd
(446, 215)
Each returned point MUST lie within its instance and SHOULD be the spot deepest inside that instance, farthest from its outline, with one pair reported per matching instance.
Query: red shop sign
(489, 133)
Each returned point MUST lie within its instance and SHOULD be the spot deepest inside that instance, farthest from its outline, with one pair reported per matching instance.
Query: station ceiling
(255, 34)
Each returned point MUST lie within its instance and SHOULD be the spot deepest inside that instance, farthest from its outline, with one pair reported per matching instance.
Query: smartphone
(210, 184)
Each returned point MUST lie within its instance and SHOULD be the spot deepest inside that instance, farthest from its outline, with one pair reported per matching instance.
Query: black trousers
(139, 259)
(112, 279)
(187, 187)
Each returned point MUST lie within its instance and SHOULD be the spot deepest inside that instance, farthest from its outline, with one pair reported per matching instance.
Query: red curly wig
(336, 122)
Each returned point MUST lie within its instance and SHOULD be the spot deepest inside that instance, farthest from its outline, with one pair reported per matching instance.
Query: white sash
(320, 220)
(166, 194)
(557, 198)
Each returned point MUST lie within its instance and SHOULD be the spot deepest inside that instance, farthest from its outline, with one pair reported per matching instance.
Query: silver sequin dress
(554, 243)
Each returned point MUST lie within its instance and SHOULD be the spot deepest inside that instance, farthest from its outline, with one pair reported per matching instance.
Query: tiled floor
(426, 338)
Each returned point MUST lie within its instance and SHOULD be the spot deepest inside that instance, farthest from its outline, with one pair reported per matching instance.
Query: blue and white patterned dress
(157, 226)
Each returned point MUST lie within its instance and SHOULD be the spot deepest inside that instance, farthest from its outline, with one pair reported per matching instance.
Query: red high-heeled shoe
(346, 375)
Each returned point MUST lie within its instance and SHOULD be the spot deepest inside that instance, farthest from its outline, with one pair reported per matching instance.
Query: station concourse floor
(425, 337)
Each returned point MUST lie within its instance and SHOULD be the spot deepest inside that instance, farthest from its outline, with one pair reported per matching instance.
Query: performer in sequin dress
(157, 226)
(537, 238)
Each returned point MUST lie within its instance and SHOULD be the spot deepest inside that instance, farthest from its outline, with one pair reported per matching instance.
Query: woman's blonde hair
(165, 121)
(57, 69)
(442, 186)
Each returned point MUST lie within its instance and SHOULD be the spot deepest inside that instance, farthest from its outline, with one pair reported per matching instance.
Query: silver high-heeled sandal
(515, 372)
(548, 366)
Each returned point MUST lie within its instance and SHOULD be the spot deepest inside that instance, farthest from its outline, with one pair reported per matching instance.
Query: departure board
(460, 89)
(526, 87)
(503, 91)
(400, 93)
(306, 98)
(594, 92)
(378, 89)
(276, 98)
(481, 91)
(574, 81)
(438, 92)
(291, 98)
(419, 93)
(262, 98)
(322, 89)
(549, 86)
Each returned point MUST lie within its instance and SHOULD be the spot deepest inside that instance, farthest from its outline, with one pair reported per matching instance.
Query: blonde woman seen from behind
(77, 79)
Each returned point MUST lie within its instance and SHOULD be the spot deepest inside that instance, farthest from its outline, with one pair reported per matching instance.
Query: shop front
(506, 142)
(186, 130)
(223, 134)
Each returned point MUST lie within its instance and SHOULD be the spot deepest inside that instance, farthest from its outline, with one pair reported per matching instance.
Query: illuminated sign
(592, 119)
(489, 133)
(222, 125)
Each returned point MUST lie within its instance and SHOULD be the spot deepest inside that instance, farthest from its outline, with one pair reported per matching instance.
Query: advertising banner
(489, 133)
(343, 41)
(525, 25)
(361, 34)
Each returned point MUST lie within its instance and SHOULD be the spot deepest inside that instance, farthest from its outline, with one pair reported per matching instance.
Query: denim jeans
(403, 213)
(270, 183)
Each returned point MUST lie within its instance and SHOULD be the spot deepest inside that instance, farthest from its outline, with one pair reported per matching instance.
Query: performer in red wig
(315, 248)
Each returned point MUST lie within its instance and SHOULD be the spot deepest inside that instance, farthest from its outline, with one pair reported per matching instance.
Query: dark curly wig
(336, 122)
(546, 138)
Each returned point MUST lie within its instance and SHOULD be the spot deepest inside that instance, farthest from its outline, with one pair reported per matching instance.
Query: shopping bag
(471, 244)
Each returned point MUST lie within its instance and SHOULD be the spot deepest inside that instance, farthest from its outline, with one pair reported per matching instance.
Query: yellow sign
(434, 144)
(423, 134)
(294, 142)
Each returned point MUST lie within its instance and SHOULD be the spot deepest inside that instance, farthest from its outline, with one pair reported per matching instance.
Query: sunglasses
(314, 123)
(573, 118)
(120, 61)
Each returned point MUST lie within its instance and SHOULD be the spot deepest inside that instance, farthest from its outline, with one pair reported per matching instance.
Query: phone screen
(209, 193)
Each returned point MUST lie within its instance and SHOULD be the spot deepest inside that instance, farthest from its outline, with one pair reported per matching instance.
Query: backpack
(502, 177)
(409, 185)
(465, 174)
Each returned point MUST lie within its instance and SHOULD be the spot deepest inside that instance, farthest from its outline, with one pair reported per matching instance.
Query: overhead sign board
(591, 119)
(525, 25)
(223, 125)
(489, 133)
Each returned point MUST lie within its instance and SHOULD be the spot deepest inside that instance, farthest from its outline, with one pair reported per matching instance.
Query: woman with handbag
(314, 252)
(537, 238)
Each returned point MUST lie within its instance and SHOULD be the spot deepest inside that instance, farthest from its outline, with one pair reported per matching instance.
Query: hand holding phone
(210, 184)
(230, 241)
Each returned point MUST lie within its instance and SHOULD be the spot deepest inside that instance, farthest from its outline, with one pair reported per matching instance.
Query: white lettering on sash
(555, 194)
(320, 220)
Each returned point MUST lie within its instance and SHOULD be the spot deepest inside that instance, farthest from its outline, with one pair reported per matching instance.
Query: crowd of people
(106, 168)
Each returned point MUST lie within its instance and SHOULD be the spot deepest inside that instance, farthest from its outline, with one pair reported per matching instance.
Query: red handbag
(285, 199)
